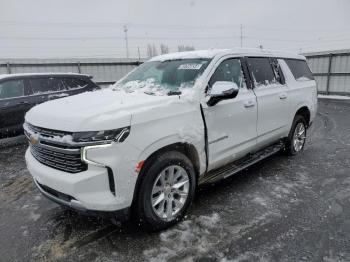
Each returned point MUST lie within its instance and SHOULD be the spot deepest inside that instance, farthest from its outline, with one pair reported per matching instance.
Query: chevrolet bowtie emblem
(34, 140)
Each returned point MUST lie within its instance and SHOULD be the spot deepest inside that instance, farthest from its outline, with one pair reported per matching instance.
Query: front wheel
(166, 191)
(297, 136)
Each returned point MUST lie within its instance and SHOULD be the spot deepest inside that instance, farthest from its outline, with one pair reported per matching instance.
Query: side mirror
(222, 90)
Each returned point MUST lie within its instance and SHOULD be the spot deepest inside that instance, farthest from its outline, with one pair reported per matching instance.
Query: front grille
(54, 153)
(65, 160)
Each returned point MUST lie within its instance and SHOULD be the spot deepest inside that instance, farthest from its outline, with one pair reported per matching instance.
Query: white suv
(177, 121)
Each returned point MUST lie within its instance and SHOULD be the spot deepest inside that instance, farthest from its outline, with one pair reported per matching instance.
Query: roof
(3, 76)
(211, 53)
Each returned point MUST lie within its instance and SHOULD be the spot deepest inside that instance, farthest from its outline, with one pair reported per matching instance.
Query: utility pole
(126, 40)
(241, 35)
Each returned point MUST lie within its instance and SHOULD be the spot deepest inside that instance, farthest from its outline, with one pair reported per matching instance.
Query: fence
(331, 71)
(104, 71)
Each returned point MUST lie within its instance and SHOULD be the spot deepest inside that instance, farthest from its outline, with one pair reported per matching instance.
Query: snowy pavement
(283, 209)
(338, 97)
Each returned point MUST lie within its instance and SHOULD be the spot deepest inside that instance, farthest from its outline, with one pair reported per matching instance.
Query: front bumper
(67, 201)
(89, 191)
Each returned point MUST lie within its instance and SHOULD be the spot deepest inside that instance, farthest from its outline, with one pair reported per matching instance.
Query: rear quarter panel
(300, 93)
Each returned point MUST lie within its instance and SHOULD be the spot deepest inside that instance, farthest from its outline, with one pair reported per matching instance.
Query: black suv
(20, 92)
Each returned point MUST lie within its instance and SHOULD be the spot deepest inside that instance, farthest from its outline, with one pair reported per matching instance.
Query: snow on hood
(91, 111)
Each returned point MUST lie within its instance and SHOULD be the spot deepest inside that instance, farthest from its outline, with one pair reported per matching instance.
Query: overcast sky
(94, 28)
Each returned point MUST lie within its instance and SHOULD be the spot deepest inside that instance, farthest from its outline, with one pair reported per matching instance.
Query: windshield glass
(164, 77)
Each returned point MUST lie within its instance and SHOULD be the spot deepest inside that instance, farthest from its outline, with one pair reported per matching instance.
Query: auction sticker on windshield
(190, 66)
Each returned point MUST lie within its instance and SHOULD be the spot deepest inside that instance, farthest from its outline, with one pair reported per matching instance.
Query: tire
(292, 147)
(157, 184)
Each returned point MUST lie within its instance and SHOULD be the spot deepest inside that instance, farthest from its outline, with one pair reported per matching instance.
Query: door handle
(249, 104)
(283, 96)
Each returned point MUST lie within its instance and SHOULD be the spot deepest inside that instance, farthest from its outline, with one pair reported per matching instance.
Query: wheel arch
(187, 149)
(304, 111)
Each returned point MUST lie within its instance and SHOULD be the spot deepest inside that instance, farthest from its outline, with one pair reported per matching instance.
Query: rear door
(14, 103)
(272, 97)
(77, 85)
(46, 88)
(231, 123)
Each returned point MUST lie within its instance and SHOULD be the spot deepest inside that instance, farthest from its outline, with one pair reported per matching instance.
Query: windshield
(164, 77)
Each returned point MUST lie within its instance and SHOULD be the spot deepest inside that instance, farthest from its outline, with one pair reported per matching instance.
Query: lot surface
(283, 209)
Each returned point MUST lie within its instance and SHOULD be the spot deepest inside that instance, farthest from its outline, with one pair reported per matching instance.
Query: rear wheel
(297, 136)
(166, 191)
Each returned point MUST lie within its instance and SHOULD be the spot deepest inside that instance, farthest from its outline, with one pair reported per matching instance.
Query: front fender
(172, 140)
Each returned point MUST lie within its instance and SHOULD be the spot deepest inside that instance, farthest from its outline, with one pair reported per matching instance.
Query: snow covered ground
(283, 209)
(12, 141)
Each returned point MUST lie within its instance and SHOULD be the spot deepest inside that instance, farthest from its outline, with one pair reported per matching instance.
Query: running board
(239, 165)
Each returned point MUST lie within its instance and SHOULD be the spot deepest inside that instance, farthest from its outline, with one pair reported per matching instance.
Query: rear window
(300, 69)
(11, 88)
(46, 85)
(75, 83)
(261, 70)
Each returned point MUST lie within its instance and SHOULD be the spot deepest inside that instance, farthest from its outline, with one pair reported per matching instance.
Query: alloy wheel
(299, 137)
(170, 192)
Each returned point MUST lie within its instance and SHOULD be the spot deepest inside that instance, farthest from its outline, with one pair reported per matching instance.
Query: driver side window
(229, 70)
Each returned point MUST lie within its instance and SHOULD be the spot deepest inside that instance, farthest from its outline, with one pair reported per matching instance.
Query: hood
(92, 111)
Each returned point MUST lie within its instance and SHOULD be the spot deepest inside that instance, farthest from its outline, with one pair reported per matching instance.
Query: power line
(116, 37)
(167, 26)
(171, 38)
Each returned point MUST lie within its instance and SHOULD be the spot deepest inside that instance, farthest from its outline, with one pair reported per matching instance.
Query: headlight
(118, 135)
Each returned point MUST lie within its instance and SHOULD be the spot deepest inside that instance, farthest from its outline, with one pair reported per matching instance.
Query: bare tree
(183, 48)
(154, 50)
(164, 49)
(151, 50)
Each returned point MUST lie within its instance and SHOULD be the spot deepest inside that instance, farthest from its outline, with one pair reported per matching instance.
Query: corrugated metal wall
(332, 71)
(104, 71)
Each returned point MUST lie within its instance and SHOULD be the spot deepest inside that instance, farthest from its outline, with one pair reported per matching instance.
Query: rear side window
(300, 69)
(11, 88)
(229, 70)
(46, 85)
(74, 83)
(261, 70)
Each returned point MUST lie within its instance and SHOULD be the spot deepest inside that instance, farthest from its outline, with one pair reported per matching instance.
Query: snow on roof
(211, 53)
(2, 76)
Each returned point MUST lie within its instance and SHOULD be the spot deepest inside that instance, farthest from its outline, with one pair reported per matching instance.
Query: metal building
(331, 70)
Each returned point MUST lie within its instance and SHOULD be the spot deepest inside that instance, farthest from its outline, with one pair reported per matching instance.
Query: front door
(231, 123)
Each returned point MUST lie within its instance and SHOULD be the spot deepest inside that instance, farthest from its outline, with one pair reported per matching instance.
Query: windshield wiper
(174, 93)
